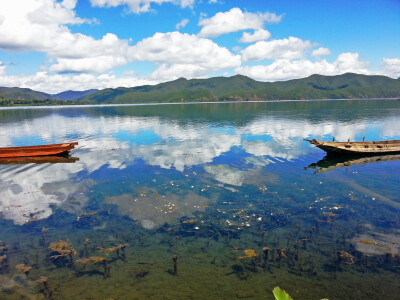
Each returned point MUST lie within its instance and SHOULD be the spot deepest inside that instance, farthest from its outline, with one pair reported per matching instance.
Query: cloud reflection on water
(116, 141)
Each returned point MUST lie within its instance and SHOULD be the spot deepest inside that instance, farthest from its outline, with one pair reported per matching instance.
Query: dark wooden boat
(358, 148)
(43, 150)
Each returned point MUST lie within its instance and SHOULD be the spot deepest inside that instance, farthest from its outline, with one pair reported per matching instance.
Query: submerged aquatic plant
(44, 280)
(175, 260)
(116, 248)
(24, 269)
(4, 266)
(95, 260)
(346, 257)
(248, 253)
(60, 249)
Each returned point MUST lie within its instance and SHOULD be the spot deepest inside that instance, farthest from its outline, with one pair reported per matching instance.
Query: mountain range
(235, 88)
(15, 93)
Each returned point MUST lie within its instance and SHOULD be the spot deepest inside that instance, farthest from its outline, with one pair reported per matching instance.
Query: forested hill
(235, 88)
(242, 88)
(13, 96)
(15, 93)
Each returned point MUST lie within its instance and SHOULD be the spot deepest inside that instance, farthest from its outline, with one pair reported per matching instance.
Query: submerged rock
(148, 224)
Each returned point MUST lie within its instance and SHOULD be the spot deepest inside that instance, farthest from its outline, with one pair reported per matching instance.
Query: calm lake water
(201, 201)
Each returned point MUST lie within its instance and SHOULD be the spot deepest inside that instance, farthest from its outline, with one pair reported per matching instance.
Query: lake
(201, 201)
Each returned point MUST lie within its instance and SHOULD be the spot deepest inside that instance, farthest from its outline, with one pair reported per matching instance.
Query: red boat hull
(42, 150)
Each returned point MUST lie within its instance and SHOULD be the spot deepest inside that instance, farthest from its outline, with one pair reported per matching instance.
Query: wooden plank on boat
(365, 148)
(40, 150)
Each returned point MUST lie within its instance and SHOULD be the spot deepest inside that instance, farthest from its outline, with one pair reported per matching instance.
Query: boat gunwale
(40, 150)
(374, 147)
(38, 147)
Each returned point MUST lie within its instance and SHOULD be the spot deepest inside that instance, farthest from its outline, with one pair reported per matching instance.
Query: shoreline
(177, 103)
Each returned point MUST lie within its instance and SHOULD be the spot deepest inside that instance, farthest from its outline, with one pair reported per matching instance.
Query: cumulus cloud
(235, 20)
(50, 13)
(391, 67)
(284, 69)
(98, 64)
(52, 84)
(182, 24)
(258, 35)
(24, 30)
(176, 53)
(182, 48)
(166, 72)
(139, 6)
(40, 25)
(289, 48)
(320, 52)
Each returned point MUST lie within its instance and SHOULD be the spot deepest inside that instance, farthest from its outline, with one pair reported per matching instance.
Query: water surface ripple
(207, 183)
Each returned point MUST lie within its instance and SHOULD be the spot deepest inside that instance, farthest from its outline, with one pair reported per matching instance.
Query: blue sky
(52, 46)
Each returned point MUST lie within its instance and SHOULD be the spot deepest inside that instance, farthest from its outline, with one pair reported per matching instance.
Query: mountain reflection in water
(206, 182)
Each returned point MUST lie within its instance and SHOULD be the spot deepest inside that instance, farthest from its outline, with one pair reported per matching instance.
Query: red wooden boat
(43, 150)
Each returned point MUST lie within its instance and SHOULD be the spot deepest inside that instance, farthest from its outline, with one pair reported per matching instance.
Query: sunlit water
(204, 182)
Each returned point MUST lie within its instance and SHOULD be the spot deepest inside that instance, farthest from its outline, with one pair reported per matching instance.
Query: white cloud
(39, 25)
(166, 72)
(186, 3)
(51, 13)
(139, 6)
(182, 48)
(182, 24)
(42, 81)
(391, 67)
(320, 52)
(349, 62)
(178, 55)
(289, 48)
(284, 69)
(98, 64)
(235, 20)
(258, 35)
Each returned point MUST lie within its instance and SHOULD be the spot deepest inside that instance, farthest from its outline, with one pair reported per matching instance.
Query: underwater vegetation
(239, 240)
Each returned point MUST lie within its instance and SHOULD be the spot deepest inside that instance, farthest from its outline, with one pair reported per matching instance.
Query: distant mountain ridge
(74, 95)
(242, 88)
(16, 93)
(235, 88)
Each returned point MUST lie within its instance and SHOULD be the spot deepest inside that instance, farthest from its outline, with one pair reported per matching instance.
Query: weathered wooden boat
(332, 162)
(42, 150)
(49, 159)
(358, 148)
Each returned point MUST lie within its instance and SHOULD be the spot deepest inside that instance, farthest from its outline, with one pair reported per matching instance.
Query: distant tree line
(44, 102)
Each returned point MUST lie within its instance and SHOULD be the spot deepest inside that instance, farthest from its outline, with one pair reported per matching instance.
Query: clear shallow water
(204, 182)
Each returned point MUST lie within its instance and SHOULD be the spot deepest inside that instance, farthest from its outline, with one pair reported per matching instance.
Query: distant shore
(51, 104)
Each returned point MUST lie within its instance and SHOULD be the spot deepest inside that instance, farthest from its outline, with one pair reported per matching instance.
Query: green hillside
(235, 88)
(15, 93)
(242, 88)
